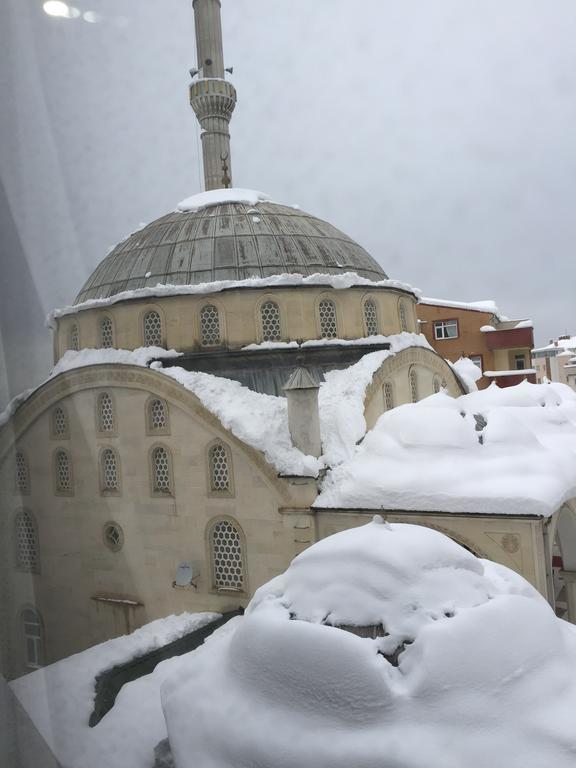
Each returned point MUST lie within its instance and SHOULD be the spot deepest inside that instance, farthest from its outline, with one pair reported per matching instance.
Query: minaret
(211, 96)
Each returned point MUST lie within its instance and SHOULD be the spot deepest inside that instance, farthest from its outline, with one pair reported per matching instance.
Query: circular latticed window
(157, 415)
(403, 316)
(413, 386)
(210, 326)
(370, 318)
(59, 422)
(219, 472)
(327, 313)
(74, 338)
(105, 413)
(388, 395)
(270, 318)
(22, 476)
(113, 536)
(26, 543)
(109, 470)
(63, 474)
(227, 558)
(161, 471)
(106, 333)
(152, 329)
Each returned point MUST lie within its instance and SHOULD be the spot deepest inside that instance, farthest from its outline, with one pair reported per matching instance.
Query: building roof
(225, 236)
(559, 345)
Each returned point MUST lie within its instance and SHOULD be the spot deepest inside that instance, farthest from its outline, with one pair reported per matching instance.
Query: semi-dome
(227, 235)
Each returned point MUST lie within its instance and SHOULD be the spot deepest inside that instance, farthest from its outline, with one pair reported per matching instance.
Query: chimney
(303, 416)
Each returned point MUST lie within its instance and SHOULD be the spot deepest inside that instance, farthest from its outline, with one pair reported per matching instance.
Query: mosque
(217, 364)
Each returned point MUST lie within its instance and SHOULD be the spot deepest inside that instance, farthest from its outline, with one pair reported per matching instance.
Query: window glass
(446, 329)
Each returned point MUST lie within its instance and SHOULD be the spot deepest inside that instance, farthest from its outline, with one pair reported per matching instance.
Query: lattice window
(22, 473)
(219, 468)
(210, 326)
(152, 329)
(113, 536)
(26, 540)
(109, 470)
(59, 422)
(270, 319)
(161, 473)
(63, 472)
(403, 316)
(74, 338)
(388, 395)
(227, 556)
(106, 420)
(436, 385)
(33, 636)
(370, 318)
(157, 415)
(106, 333)
(327, 314)
(413, 379)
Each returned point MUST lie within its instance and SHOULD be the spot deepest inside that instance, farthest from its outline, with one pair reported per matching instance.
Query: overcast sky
(440, 134)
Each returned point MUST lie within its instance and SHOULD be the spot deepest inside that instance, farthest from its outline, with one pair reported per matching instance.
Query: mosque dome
(227, 234)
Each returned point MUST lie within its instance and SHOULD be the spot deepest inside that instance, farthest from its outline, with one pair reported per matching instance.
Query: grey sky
(440, 135)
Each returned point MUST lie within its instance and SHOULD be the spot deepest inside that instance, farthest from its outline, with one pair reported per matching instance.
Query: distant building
(500, 347)
(556, 361)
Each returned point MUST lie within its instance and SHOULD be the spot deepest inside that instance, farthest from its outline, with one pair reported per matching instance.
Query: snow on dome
(494, 451)
(218, 196)
(384, 644)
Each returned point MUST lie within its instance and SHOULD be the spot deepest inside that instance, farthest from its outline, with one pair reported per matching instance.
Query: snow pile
(339, 282)
(465, 664)
(84, 357)
(219, 196)
(468, 371)
(499, 451)
(60, 699)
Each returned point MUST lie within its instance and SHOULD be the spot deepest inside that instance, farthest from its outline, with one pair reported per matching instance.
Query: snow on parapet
(478, 306)
(219, 196)
(429, 456)
(338, 282)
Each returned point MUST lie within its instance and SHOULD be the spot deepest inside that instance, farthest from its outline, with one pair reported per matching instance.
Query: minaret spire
(212, 97)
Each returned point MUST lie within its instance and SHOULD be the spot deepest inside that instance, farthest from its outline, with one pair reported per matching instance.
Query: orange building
(500, 347)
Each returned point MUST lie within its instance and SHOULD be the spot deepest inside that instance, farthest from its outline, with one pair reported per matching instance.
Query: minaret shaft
(211, 96)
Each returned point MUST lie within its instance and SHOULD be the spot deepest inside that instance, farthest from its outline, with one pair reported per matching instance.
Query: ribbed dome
(228, 241)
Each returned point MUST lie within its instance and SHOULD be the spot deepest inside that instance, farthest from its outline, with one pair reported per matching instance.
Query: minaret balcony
(212, 97)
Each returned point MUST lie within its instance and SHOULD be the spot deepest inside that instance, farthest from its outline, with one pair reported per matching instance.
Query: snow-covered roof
(467, 666)
(339, 281)
(560, 345)
(214, 197)
(428, 456)
(487, 305)
(513, 372)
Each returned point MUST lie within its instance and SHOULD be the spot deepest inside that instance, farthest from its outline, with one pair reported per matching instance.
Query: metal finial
(225, 177)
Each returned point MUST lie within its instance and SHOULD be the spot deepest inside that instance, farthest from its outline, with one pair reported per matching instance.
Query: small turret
(303, 416)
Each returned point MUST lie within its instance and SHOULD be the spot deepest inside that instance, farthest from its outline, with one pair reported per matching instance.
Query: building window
(33, 636)
(219, 462)
(403, 316)
(152, 329)
(74, 338)
(413, 380)
(113, 536)
(26, 542)
(210, 326)
(157, 416)
(327, 315)
(519, 362)
(370, 318)
(477, 360)
(22, 473)
(105, 413)
(63, 472)
(109, 473)
(270, 320)
(446, 329)
(106, 333)
(59, 422)
(227, 556)
(161, 471)
(388, 395)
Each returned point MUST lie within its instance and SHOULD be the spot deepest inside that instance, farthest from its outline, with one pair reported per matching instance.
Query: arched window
(106, 332)
(59, 422)
(74, 338)
(105, 413)
(33, 638)
(413, 380)
(436, 385)
(109, 471)
(161, 471)
(22, 473)
(157, 416)
(210, 334)
(220, 469)
(388, 395)
(270, 321)
(152, 329)
(370, 318)
(63, 472)
(403, 316)
(26, 542)
(327, 315)
(227, 556)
